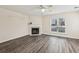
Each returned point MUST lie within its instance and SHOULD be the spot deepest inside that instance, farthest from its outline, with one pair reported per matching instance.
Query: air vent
(76, 7)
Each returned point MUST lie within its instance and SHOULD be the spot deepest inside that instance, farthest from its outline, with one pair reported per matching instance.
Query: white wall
(12, 25)
(72, 24)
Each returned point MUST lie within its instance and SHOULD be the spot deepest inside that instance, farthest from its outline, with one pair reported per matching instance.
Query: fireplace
(35, 31)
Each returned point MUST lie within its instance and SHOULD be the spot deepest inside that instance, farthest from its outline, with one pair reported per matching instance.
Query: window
(58, 25)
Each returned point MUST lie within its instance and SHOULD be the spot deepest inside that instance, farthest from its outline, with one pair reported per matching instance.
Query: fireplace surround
(34, 31)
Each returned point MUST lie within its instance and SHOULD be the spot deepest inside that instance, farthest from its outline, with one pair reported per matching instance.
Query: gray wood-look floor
(40, 44)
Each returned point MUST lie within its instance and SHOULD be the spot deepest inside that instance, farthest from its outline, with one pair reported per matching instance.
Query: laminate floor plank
(40, 44)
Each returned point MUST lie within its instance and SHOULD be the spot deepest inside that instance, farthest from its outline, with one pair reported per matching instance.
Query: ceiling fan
(46, 8)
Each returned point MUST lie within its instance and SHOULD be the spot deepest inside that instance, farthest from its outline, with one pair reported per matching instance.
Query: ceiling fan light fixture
(43, 10)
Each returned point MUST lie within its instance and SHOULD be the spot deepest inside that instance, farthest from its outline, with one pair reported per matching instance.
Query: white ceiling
(35, 9)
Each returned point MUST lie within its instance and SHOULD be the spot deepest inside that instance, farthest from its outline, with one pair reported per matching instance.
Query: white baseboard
(12, 38)
(61, 36)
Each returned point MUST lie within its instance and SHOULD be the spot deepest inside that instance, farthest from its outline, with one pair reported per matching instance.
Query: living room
(36, 28)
